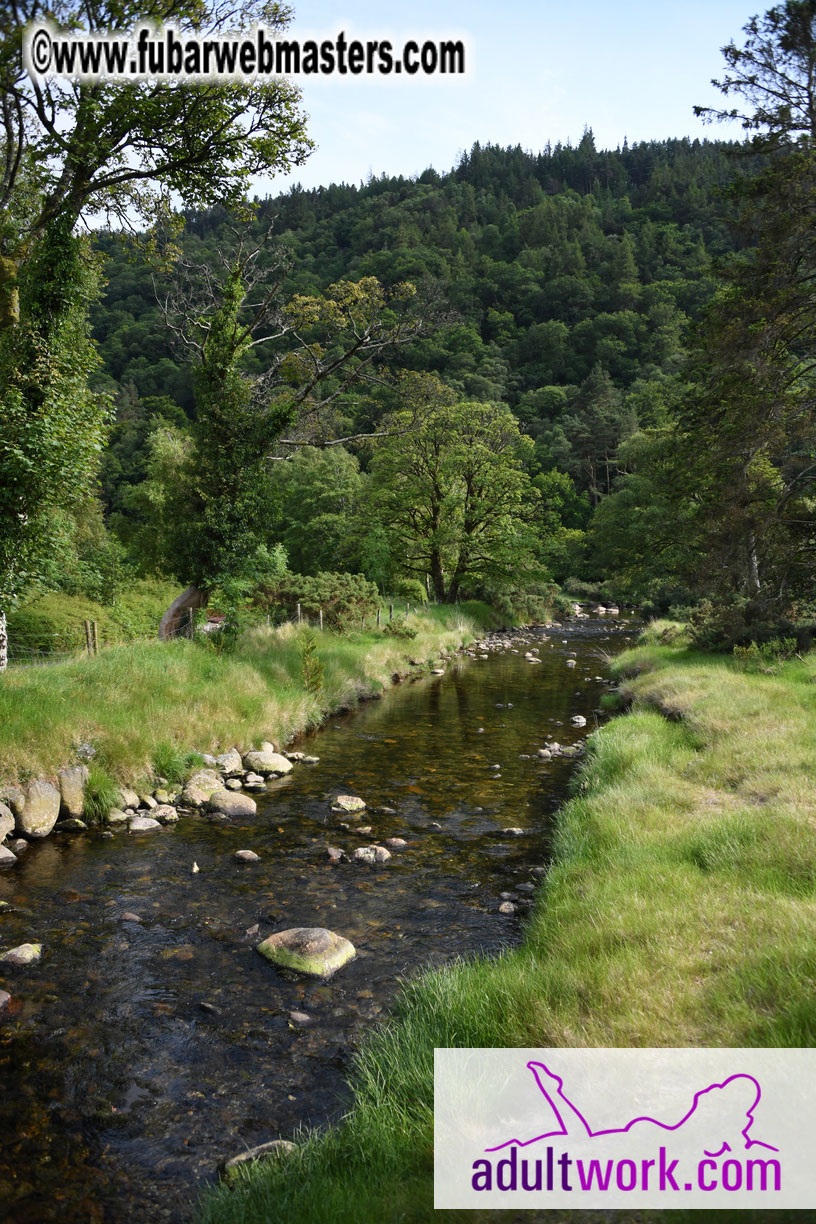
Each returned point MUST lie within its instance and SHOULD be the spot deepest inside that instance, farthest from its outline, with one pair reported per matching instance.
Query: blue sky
(542, 71)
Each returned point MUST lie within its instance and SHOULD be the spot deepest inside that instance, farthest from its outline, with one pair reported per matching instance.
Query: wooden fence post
(88, 646)
(95, 637)
(378, 618)
(390, 611)
(321, 620)
(298, 614)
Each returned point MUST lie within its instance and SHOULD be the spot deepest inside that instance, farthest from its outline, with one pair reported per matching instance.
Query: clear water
(120, 1092)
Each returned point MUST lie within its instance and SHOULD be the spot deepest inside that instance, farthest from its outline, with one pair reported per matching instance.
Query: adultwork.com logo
(616, 1128)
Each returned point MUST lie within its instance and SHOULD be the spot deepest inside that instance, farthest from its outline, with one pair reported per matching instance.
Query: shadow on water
(136, 1055)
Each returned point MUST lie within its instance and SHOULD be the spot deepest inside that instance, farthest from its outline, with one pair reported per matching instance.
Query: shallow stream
(135, 1056)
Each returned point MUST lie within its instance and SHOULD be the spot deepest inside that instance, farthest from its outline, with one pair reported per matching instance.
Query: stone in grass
(24, 954)
(246, 856)
(274, 1150)
(143, 824)
(311, 950)
(348, 803)
(232, 804)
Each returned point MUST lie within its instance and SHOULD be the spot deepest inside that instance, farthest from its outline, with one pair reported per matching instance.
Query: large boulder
(265, 761)
(40, 810)
(311, 950)
(129, 798)
(231, 803)
(72, 781)
(6, 821)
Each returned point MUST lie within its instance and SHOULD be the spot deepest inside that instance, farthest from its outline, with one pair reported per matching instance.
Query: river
(135, 1056)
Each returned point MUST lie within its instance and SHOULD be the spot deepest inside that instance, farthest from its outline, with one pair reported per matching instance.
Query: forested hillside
(563, 284)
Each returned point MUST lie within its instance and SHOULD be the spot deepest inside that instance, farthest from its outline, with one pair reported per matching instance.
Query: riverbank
(679, 912)
(141, 710)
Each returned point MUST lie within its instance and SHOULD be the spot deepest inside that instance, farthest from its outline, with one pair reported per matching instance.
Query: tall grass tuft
(101, 794)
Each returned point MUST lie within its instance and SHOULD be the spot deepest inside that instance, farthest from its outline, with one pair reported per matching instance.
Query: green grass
(681, 912)
(146, 706)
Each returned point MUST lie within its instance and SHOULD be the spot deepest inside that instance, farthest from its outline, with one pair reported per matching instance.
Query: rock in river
(231, 803)
(143, 824)
(246, 856)
(72, 789)
(6, 821)
(267, 762)
(7, 857)
(348, 803)
(25, 954)
(40, 810)
(312, 950)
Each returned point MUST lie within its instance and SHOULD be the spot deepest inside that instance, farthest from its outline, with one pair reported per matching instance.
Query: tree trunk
(175, 620)
(754, 585)
(437, 575)
(3, 643)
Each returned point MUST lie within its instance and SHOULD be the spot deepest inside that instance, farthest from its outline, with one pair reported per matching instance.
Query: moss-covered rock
(311, 950)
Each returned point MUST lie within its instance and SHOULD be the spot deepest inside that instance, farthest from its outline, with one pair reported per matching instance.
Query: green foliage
(399, 628)
(174, 763)
(101, 794)
(453, 495)
(313, 669)
(51, 426)
(765, 656)
(316, 495)
(345, 599)
(54, 621)
(411, 589)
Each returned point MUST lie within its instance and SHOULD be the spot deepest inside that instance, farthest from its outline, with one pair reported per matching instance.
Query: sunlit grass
(145, 706)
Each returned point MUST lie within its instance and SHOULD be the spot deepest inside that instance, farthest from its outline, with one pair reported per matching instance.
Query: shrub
(411, 589)
(344, 598)
(766, 656)
(398, 628)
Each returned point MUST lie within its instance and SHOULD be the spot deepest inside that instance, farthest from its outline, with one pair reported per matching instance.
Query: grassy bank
(143, 706)
(681, 911)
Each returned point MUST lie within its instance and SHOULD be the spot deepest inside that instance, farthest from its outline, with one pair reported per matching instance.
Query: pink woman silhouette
(718, 1121)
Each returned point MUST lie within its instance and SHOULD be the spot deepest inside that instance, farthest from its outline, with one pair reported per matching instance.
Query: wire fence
(29, 649)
